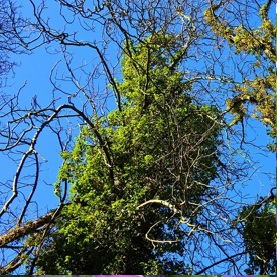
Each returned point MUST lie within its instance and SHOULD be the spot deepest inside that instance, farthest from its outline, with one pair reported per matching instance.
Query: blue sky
(35, 70)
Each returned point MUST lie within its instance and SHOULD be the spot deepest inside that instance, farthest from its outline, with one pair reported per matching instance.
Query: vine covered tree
(153, 106)
(147, 175)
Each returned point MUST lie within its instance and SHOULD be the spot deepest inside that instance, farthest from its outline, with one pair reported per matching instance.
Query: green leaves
(259, 232)
(162, 146)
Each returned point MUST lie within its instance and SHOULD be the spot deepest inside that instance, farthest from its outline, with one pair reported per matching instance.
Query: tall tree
(179, 90)
(143, 170)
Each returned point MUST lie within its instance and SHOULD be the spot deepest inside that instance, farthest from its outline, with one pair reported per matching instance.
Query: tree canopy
(160, 150)
(141, 152)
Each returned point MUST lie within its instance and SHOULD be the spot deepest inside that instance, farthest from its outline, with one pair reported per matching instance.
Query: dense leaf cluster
(259, 232)
(162, 147)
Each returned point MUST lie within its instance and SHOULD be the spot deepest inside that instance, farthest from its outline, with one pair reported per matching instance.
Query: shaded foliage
(258, 227)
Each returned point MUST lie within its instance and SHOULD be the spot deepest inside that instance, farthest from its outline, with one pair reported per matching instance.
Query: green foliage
(259, 233)
(161, 146)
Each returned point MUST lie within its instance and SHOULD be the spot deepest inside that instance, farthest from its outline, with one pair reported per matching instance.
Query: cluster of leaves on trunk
(160, 145)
